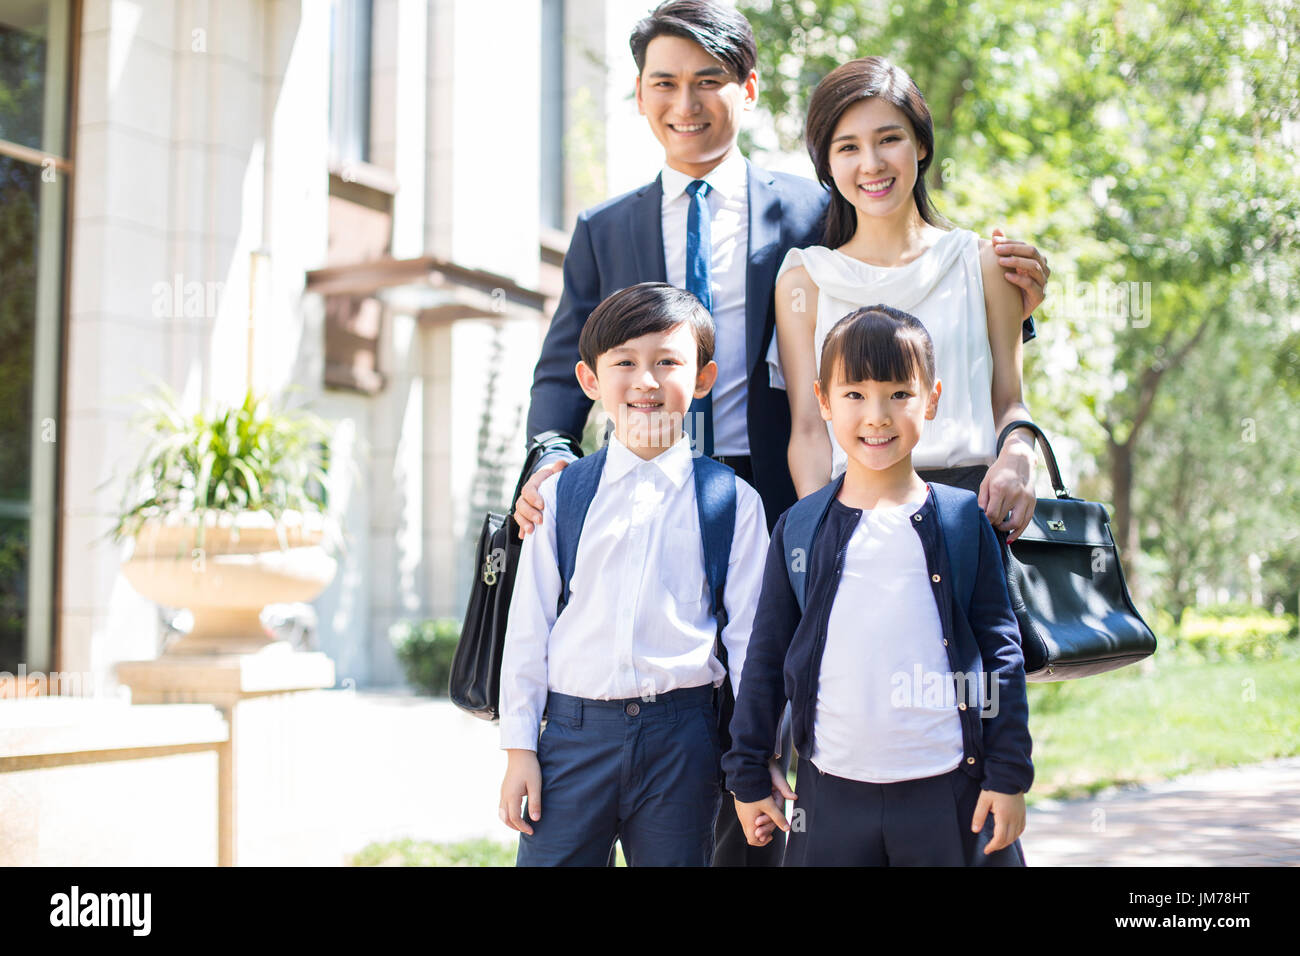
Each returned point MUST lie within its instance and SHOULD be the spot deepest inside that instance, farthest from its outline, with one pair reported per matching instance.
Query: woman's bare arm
(809, 453)
(1009, 484)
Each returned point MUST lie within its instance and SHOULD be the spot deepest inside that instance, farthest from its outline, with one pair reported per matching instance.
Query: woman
(871, 139)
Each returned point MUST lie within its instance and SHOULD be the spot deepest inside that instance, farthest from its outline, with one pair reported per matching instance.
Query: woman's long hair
(848, 84)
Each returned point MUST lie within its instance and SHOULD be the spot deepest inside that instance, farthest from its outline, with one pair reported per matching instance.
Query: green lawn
(1135, 725)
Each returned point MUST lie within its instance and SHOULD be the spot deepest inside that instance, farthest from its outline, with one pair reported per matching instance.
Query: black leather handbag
(475, 684)
(1067, 587)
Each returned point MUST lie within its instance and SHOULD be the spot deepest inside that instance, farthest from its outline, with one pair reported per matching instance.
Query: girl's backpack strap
(715, 497)
(959, 516)
(573, 494)
(802, 522)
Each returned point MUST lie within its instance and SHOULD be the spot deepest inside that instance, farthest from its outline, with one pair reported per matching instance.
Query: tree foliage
(1149, 149)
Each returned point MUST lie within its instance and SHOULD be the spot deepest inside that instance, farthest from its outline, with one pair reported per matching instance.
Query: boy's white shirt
(638, 620)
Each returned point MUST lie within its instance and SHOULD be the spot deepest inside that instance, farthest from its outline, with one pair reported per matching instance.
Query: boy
(626, 670)
(882, 596)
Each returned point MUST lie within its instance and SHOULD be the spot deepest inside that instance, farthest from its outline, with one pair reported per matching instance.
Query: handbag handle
(1055, 473)
(537, 447)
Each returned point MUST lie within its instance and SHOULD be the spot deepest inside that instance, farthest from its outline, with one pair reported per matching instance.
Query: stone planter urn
(229, 573)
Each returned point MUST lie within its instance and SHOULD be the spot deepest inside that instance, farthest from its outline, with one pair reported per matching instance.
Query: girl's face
(878, 423)
(873, 158)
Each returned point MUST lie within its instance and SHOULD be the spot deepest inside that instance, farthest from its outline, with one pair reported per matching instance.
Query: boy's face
(693, 104)
(647, 384)
(878, 423)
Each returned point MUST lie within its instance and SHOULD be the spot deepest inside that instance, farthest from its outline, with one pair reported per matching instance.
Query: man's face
(646, 386)
(693, 104)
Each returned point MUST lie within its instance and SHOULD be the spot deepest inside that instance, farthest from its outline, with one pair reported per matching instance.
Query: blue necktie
(699, 248)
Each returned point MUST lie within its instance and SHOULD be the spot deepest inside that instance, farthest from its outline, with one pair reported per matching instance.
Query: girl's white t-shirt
(886, 702)
(944, 288)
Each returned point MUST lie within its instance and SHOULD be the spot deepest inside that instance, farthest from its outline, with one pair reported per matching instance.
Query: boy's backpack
(715, 498)
(958, 511)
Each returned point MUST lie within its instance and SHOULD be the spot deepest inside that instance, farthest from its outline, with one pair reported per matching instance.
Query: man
(718, 226)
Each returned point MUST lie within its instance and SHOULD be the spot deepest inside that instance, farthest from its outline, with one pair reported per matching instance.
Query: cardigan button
(945, 642)
(970, 759)
(916, 517)
(934, 578)
(961, 706)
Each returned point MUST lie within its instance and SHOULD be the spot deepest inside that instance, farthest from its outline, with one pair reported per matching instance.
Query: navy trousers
(643, 772)
(923, 822)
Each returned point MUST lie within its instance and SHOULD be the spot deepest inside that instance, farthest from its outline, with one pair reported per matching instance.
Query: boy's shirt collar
(729, 178)
(674, 462)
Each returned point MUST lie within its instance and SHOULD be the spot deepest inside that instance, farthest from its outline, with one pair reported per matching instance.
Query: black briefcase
(1067, 587)
(475, 684)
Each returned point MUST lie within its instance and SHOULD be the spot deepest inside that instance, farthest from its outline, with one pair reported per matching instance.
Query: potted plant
(226, 513)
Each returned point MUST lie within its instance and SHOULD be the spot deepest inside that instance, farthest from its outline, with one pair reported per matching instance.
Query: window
(350, 81)
(552, 115)
(35, 59)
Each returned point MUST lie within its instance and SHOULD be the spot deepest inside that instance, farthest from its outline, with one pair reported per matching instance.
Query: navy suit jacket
(620, 243)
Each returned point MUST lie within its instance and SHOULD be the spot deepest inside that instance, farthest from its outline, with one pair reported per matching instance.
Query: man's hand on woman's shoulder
(1023, 265)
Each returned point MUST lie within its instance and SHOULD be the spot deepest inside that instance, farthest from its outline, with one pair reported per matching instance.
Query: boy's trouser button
(633, 709)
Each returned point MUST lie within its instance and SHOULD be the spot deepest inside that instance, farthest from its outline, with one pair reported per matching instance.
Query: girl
(884, 619)
(871, 139)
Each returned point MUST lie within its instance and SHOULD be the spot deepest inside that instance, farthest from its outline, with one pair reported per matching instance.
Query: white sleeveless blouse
(944, 288)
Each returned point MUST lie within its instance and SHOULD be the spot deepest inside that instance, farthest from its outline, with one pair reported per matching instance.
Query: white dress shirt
(638, 620)
(728, 200)
(885, 709)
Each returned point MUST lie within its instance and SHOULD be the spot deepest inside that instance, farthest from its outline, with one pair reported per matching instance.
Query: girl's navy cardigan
(783, 660)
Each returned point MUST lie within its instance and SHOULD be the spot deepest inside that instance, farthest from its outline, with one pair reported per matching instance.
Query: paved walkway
(1243, 816)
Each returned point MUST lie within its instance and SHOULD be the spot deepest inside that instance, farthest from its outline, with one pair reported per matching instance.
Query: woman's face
(873, 158)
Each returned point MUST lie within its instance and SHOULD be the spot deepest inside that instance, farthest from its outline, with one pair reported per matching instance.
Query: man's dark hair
(721, 29)
(878, 343)
(641, 310)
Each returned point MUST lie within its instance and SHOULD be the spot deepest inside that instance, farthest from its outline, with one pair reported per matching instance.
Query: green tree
(1149, 149)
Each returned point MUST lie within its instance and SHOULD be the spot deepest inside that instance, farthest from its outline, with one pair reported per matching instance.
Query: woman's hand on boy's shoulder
(528, 507)
(1008, 811)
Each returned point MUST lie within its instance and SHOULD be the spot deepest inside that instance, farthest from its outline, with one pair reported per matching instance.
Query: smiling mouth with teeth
(879, 187)
(687, 128)
(877, 442)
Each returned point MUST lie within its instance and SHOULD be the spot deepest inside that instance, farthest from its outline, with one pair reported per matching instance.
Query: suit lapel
(646, 229)
(760, 270)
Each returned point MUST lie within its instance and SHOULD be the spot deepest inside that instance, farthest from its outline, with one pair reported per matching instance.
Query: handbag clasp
(1056, 524)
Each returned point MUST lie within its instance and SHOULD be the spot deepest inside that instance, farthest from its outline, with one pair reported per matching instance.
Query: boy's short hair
(878, 343)
(720, 28)
(640, 310)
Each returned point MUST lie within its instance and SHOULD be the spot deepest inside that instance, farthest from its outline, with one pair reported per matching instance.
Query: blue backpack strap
(573, 494)
(715, 497)
(959, 516)
(802, 522)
